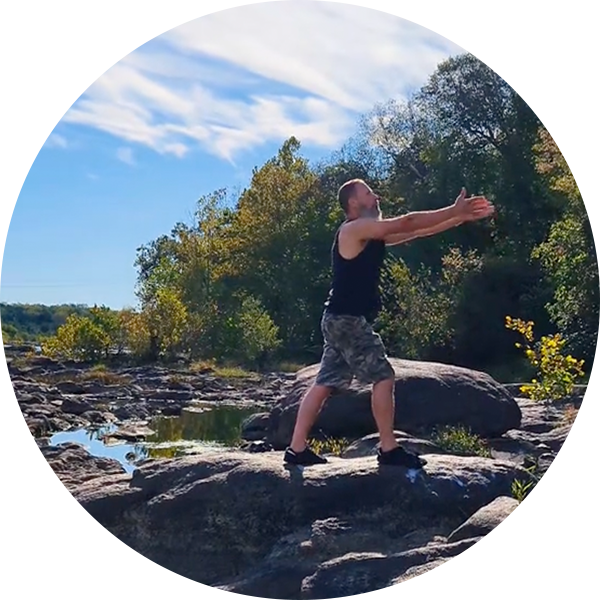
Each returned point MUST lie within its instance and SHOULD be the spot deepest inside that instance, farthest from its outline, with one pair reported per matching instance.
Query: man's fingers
(478, 201)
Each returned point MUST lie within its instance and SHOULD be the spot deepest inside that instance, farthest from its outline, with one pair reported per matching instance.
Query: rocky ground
(243, 522)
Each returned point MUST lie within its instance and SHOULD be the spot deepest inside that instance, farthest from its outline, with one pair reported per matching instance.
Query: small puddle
(208, 426)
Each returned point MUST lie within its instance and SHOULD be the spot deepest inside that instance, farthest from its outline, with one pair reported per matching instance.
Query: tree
(272, 237)
(485, 123)
(258, 333)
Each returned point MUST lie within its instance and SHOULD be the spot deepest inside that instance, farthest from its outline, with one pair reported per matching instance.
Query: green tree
(273, 233)
(258, 333)
(487, 125)
(80, 338)
(165, 318)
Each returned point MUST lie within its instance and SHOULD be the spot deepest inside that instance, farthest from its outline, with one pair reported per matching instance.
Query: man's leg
(382, 404)
(333, 373)
(309, 410)
(371, 364)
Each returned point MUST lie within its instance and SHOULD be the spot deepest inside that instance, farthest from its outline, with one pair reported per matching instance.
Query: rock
(255, 426)
(243, 503)
(419, 570)
(364, 576)
(135, 410)
(427, 395)
(256, 446)
(75, 406)
(177, 395)
(11, 579)
(516, 450)
(130, 433)
(485, 519)
(70, 387)
(367, 446)
(538, 417)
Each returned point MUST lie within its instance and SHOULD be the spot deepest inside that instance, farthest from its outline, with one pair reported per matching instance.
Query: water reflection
(192, 431)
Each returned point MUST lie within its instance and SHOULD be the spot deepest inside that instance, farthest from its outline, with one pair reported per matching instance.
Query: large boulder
(427, 395)
(214, 516)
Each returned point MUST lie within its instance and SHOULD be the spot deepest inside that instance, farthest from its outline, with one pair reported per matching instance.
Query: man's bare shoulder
(362, 229)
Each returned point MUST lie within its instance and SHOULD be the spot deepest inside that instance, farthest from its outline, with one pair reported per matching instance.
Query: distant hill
(29, 322)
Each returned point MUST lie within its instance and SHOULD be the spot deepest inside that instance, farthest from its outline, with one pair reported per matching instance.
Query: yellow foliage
(557, 373)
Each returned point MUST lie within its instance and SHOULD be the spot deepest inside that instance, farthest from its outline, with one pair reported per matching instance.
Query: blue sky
(189, 112)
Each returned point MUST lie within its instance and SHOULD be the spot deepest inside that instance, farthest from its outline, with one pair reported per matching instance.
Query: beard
(371, 213)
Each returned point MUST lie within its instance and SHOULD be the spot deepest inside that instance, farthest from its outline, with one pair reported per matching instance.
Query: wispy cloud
(49, 140)
(125, 154)
(236, 79)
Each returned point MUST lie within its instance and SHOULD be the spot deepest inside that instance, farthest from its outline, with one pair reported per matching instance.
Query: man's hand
(473, 208)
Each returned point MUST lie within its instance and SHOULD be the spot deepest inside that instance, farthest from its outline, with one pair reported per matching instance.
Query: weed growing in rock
(93, 375)
(562, 529)
(557, 373)
(335, 446)
(225, 371)
(460, 441)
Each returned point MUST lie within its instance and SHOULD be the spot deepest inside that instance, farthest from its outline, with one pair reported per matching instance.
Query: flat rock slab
(210, 517)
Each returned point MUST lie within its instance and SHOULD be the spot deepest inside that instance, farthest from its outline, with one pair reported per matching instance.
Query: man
(351, 347)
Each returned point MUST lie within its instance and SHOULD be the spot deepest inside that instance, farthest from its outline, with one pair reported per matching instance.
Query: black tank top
(355, 286)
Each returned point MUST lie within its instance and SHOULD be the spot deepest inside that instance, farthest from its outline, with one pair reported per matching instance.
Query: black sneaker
(305, 458)
(400, 458)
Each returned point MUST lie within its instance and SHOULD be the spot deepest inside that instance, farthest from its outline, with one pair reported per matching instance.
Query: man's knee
(320, 390)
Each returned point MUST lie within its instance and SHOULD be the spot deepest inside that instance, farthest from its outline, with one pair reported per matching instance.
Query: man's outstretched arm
(401, 238)
(413, 224)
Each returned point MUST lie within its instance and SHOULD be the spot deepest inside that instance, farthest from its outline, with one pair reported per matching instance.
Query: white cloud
(236, 79)
(46, 139)
(125, 154)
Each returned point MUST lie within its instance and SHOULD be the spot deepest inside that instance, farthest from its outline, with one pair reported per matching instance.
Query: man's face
(367, 202)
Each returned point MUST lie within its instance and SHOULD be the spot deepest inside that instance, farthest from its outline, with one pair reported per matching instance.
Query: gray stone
(427, 395)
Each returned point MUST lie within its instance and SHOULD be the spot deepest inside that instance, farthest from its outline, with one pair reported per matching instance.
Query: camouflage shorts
(351, 349)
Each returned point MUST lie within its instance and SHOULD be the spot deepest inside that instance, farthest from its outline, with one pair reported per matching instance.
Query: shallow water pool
(204, 427)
